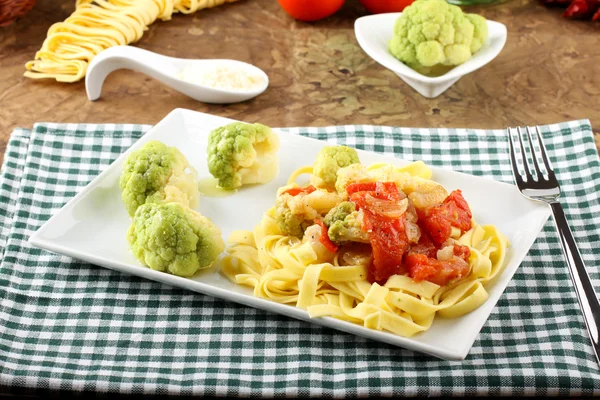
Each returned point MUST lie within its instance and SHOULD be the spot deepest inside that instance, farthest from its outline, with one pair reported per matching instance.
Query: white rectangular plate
(92, 227)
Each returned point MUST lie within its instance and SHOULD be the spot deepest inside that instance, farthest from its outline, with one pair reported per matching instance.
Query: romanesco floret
(433, 33)
(329, 160)
(339, 212)
(156, 173)
(344, 224)
(295, 213)
(288, 222)
(480, 33)
(241, 154)
(173, 238)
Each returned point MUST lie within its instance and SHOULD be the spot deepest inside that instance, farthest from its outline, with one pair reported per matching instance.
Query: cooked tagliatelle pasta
(369, 252)
(96, 25)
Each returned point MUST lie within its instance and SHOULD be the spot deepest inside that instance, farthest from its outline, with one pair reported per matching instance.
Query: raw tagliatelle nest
(96, 25)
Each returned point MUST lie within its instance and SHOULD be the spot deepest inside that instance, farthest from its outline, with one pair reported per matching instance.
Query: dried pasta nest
(96, 25)
(11, 10)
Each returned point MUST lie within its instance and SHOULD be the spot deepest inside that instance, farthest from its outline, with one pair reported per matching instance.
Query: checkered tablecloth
(73, 326)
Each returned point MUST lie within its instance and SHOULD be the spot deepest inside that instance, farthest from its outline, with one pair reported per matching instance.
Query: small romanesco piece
(345, 224)
(241, 154)
(156, 173)
(173, 238)
(339, 212)
(433, 33)
(288, 222)
(295, 213)
(329, 160)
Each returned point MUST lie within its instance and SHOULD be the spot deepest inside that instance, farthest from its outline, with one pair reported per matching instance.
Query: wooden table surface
(548, 72)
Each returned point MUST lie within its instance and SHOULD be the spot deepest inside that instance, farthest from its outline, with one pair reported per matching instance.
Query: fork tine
(533, 153)
(525, 162)
(513, 159)
(544, 153)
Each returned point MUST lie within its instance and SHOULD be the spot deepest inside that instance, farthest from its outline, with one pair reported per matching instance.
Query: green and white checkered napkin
(69, 325)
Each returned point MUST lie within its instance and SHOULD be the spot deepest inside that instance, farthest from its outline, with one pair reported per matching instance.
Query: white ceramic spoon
(167, 70)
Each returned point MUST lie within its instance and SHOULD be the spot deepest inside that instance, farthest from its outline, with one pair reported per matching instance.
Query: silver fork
(546, 190)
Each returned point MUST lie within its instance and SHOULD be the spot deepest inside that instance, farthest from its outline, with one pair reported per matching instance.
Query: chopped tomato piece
(387, 235)
(382, 189)
(435, 224)
(438, 220)
(389, 242)
(425, 246)
(297, 190)
(462, 252)
(462, 219)
(420, 267)
(324, 238)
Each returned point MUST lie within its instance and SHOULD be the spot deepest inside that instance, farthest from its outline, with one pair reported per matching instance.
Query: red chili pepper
(324, 238)
(577, 8)
(297, 190)
(581, 9)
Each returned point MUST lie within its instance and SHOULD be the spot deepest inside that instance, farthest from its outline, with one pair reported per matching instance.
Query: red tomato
(385, 6)
(438, 220)
(379, 190)
(425, 246)
(462, 252)
(324, 238)
(387, 235)
(420, 267)
(463, 220)
(311, 10)
(435, 224)
(389, 242)
(297, 190)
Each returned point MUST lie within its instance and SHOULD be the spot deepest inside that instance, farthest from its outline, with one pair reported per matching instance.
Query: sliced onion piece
(445, 253)
(413, 232)
(386, 208)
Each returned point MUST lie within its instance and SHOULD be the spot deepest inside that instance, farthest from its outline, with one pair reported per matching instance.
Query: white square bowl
(374, 32)
(92, 227)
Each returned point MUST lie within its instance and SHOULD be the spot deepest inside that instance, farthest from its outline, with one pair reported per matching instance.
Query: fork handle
(588, 300)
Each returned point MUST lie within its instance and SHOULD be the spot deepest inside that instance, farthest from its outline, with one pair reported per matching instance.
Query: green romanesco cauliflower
(241, 154)
(329, 160)
(295, 213)
(344, 224)
(288, 222)
(156, 173)
(339, 212)
(432, 33)
(173, 238)
(481, 31)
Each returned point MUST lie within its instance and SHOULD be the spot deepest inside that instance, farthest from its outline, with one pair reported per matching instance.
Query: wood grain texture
(548, 72)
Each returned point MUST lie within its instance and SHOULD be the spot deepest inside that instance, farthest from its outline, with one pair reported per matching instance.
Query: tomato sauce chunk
(461, 251)
(295, 191)
(420, 267)
(425, 246)
(389, 242)
(387, 235)
(438, 220)
(324, 238)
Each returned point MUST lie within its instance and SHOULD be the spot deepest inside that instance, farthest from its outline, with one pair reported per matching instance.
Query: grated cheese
(231, 77)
